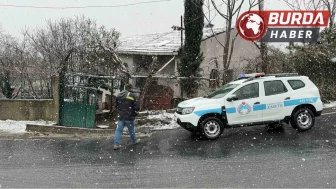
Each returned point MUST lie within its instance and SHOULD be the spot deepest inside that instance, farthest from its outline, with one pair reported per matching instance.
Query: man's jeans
(121, 124)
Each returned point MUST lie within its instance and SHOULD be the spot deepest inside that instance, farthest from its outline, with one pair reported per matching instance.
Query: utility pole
(181, 46)
(181, 32)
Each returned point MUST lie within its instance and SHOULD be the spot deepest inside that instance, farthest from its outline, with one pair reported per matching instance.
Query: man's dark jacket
(127, 105)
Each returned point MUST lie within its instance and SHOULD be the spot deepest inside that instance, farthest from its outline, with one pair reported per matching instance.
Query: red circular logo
(251, 26)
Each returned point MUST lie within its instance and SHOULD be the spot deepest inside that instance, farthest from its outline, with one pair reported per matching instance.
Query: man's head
(129, 87)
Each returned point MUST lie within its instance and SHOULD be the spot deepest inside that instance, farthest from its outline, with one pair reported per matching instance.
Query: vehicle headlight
(187, 110)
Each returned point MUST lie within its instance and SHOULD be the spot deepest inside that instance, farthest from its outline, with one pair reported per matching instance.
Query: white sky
(131, 20)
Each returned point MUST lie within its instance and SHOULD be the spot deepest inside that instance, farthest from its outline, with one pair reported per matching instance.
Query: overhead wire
(165, 34)
(83, 7)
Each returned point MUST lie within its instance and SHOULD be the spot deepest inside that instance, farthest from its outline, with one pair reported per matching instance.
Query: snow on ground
(161, 120)
(330, 105)
(12, 126)
(168, 121)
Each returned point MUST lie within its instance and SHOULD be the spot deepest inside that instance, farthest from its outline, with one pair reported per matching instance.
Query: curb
(46, 129)
(66, 130)
(328, 110)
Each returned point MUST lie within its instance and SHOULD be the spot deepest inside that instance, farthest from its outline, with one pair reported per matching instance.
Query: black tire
(303, 119)
(211, 128)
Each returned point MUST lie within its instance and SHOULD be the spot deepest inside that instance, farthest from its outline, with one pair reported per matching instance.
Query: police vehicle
(253, 99)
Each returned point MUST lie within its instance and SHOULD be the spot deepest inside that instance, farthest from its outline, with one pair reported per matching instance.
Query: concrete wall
(31, 110)
(27, 110)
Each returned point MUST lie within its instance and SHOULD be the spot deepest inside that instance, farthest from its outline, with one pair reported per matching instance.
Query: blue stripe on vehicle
(259, 107)
(203, 112)
(300, 101)
(231, 110)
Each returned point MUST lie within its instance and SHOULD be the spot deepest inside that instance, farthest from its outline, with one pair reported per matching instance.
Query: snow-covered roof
(168, 43)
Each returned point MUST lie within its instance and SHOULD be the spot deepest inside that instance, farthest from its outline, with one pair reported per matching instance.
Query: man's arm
(136, 104)
(116, 104)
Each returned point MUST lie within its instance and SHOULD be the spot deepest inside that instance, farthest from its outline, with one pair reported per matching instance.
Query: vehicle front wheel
(303, 119)
(212, 128)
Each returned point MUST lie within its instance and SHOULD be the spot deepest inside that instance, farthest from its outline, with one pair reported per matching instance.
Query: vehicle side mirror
(232, 98)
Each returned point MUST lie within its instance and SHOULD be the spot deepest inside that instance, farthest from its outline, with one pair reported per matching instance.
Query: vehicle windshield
(222, 91)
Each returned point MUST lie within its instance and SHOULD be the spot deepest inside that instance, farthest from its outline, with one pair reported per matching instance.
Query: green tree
(315, 61)
(191, 51)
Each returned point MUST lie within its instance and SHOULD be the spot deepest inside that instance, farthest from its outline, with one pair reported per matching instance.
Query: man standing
(127, 107)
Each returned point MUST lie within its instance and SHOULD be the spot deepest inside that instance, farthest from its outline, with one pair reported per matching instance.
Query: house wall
(134, 61)
(212, 49)
(171, 69)
(128, 59)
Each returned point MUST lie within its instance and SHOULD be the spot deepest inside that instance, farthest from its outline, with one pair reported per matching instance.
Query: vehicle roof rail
(283, 74)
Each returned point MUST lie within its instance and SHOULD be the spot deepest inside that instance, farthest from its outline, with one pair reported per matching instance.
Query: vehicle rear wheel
(303, 119)
(211, 128)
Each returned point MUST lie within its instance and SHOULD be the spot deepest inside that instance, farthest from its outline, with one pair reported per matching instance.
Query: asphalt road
(242, 157)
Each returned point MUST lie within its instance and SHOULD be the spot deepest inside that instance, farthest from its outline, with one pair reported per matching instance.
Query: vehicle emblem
(244, 108)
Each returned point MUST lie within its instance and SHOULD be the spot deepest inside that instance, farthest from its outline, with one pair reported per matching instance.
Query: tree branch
(219, 12)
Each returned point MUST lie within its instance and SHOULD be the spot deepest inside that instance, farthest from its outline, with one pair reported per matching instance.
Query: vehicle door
(241, 110)
(274, 94)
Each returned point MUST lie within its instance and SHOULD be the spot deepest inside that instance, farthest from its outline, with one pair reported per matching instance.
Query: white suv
(254, 99)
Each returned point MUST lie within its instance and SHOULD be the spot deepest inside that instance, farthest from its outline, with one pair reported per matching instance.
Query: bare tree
(329, 5)
(68, 45)
(304, 4)
(230, 15)
(11, 63)
(263, 47)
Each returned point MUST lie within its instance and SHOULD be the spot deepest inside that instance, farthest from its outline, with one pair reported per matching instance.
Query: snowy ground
(330, 105)
(159, 121)
(163, 121)
(11, 126)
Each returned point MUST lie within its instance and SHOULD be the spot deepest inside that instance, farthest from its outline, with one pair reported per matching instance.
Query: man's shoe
(116, 146)
(137, 141)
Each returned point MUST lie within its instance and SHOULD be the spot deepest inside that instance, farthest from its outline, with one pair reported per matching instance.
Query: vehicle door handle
(257, 103)
(287, 98)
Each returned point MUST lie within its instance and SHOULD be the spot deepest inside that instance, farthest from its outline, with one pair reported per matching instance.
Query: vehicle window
(296, 84)
(274, 87)
(248, 91)
(221, 92)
